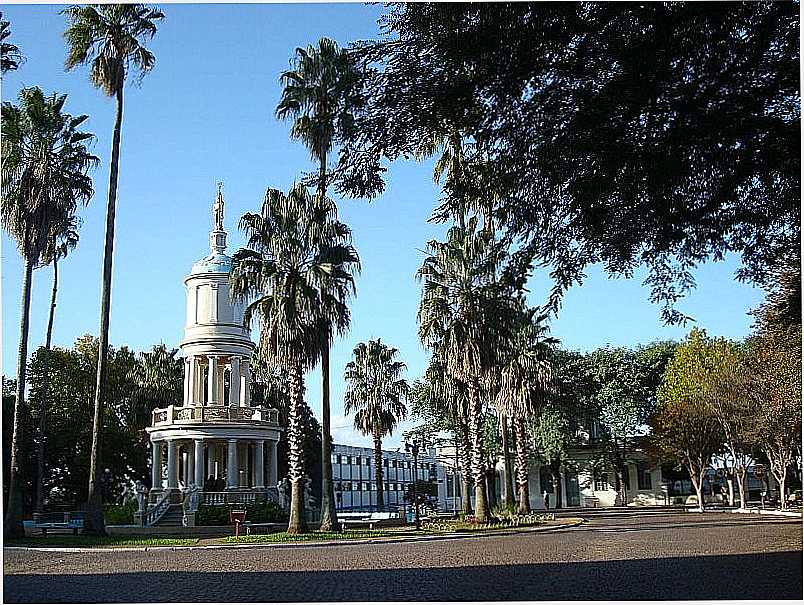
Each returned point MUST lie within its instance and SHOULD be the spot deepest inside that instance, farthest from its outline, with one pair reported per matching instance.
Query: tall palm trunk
(378, 471)
(478, 472)
(466, 464)
(40, 459)
(94, 523)
(13, 523)
(521, 465)
(508, 496)
(329, 514)
(297, 523)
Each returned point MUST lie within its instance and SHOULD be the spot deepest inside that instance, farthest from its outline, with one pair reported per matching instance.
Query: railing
(159, 509)
(219, 498)
(212, 414)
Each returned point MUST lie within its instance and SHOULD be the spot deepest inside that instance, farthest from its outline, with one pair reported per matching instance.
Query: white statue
(217, 210)
(140, 491)
(309, 499)
(191, 498)
(283, 488)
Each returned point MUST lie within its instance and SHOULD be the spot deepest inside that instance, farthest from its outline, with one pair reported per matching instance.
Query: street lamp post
(413, 448)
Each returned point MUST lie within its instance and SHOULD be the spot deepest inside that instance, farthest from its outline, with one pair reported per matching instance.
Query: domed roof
(213, 263)
(216, 261)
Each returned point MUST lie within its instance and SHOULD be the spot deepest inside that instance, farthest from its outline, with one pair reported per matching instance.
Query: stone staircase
(172, 517)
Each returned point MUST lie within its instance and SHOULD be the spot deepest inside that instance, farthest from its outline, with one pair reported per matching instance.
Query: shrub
(120, 514)
(259, 512)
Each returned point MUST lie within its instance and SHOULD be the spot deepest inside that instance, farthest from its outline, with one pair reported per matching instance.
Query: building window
(348, 460)
(450, 487)
(601, 482)
(339, 459)
(368, 461)
(385, 462)
(644, 478)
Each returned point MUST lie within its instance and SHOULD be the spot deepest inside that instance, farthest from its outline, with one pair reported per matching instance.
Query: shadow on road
(747, 576)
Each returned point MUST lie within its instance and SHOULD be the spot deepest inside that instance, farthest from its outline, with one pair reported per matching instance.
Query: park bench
(65, 521)
(370, 523)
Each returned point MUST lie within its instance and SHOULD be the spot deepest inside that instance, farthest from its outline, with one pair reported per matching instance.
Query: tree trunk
(697, 483)
(329, 515)
(508, 496)
(521, 466)
(491, 491)
(466, 464)
(13, 522)
(378, 475)
(40, 459)
(478, 472)
(740, 475)
(94, 523)
(297, 523)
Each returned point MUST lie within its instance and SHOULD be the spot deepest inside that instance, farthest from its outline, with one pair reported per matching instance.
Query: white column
(234, 382)
(272, 464)
(188, 375)
(197, 380)
(211, 460)
(156, 465)
(232, 470)
(259, 467)
(172, 464)
(221, 398)
(186, 460)
(189, 476)
(245, 386)
(198, 451)
(212, 381)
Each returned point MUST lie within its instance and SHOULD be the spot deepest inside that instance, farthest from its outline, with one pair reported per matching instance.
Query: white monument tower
(215, 444)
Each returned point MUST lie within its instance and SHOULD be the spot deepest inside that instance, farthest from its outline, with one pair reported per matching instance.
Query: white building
(214, 441)
(354, 479)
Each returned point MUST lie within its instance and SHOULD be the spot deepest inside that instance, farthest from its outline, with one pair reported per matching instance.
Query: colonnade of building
(207, 376)
(244, 463)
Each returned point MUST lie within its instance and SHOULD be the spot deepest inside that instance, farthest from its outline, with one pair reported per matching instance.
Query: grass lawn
(314, 536)
(67, 540)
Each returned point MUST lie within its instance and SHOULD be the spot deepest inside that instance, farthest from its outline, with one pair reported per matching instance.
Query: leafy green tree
(10, 56)
(296, 269)
(63, 239)
(319, 94)
(376, 394)
(773, 386)
(108, 37)
(45, 176)
(625, 383)
(615, 132)
(685, 428)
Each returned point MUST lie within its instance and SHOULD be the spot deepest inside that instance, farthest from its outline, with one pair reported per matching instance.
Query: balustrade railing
(213, 413)
(160, 508)
(218, 498)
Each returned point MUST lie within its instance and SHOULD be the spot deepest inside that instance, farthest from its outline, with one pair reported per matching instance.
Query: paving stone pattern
(616, 556)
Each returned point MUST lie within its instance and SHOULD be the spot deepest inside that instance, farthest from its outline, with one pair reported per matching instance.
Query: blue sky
(205, 114)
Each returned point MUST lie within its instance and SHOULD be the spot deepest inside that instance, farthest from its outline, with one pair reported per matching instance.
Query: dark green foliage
(10, 56)
(120, 514)
(27, 452)
(657, 133)
(267, 512)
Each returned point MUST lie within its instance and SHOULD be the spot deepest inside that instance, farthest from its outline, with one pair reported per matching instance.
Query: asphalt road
(613, 557)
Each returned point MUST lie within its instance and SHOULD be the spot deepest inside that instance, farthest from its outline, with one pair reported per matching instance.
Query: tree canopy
(662, 134)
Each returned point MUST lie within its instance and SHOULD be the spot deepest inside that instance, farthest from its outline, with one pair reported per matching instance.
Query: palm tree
(376, 395)
(295, 273)
(63, 239)
(523, 383)
(10, 56)
(108, 37)
(318, 94)
(45, 168)
(460, 318)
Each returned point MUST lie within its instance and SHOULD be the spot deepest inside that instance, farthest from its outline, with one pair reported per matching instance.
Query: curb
(311, 544)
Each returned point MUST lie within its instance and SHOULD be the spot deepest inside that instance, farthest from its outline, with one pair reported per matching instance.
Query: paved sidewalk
(671, 556)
